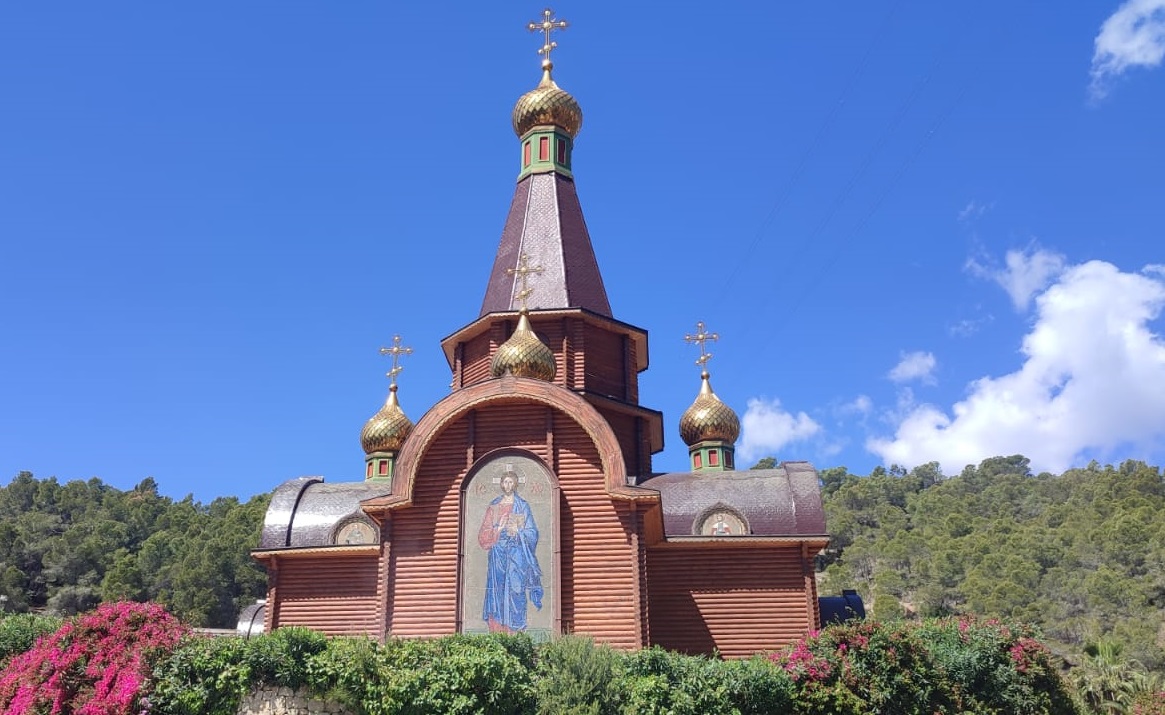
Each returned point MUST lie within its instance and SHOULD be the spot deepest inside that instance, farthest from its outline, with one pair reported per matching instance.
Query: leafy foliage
(1081, 555)
(946, 665)
(66, 547)
(941, 666)
(576, 677)
(661, 682)
(211, 675)
(19, 632)
(128, 658)
(454, 674)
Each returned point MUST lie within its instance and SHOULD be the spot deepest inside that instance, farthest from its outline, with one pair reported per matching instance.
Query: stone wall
(285, 701)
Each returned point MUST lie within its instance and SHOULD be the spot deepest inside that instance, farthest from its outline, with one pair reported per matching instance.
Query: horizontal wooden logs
(702, 599)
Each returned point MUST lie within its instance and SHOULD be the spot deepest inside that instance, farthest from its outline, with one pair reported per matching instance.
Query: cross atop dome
(396, 351)
(548, 25)
(701, 338)
(524, 270)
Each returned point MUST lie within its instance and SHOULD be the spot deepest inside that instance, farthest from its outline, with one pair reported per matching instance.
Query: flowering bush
(945, 666)
(862, 667)
(95, 664)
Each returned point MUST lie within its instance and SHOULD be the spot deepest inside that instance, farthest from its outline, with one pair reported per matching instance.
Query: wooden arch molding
(509, 389)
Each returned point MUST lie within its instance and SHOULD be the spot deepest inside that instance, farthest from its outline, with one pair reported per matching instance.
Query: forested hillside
(1081, 555)
(66, 547)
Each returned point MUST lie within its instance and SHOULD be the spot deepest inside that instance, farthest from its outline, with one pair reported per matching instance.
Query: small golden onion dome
(708, 418)
(524, 355)
(387, 429)
(546, 104)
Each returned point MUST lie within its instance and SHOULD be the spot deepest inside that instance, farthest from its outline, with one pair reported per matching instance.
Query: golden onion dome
(708, 418)
(388, 428)
(524, 355)
(547, 104)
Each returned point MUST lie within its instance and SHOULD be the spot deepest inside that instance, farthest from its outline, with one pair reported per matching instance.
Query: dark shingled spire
(546, 223)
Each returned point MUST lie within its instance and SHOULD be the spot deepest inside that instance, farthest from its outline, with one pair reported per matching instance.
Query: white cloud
(860, 405)
(767, 427)
(973, 210)
(917, 365)
(1026, 273)
(967, 327)
(1133, 36)
(1091, 382)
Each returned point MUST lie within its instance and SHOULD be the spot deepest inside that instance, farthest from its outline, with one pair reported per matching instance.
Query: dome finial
(548, 25)
(701, 338)
(395, 351)
(524, 354)
(385, 432)
(708, 420)
(547, 105)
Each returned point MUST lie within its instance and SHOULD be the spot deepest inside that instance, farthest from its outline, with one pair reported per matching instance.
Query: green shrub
(19, 632)
(203, 676)
(347, 672)
(993, 667)
(575, 677)
(667, 683)
(281, 657)
(455, 674)
(944, 666)
(758, 687)
(211, 675)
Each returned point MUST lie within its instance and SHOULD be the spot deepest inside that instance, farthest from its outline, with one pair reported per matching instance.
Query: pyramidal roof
(546, 224)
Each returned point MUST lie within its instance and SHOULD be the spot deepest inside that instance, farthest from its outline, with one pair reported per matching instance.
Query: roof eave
(467, 333)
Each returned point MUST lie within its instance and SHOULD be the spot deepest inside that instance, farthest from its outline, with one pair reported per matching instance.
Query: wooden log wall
(600, 570)
(605, 364)
(475, 358)
(703, 599)
(333, 594)
(589, 357)
(423, 562)
(630, 440)
(600, 560)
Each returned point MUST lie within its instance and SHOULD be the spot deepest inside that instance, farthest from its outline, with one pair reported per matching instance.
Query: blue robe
(512, 573)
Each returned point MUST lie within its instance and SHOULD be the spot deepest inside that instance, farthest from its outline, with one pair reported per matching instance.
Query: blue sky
(924, 231)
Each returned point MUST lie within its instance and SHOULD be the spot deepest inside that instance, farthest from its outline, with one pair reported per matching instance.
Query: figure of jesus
(513, 577)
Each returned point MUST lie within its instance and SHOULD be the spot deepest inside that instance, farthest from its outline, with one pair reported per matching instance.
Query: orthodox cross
(395, 351)
(524, 270)
(701, 338)
(548, 25)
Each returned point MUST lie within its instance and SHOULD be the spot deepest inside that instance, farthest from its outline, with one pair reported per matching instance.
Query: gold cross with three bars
(701, 338)
(548, 25)
(524, 270)
(395, 351)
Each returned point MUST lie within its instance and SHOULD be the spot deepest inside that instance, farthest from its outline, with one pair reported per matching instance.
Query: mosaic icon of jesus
(513, 577)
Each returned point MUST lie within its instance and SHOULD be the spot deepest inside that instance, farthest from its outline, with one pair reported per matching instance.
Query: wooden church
(525, 500)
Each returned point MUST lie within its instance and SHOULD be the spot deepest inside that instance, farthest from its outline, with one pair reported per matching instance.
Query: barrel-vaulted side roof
(781, 502)
(305, 512)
